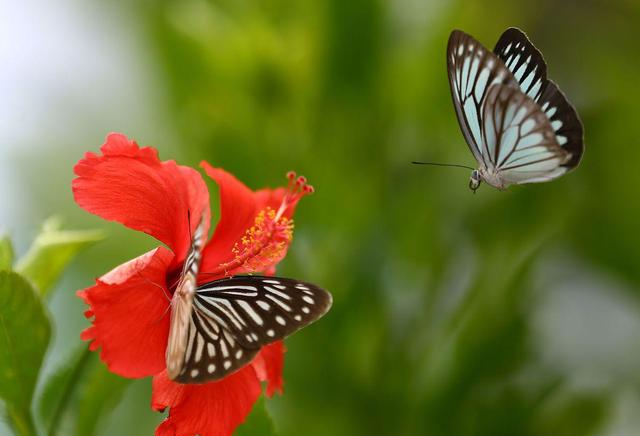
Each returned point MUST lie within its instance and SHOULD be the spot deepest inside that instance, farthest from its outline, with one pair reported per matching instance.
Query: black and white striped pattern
(233, 318)
(192, 262)
(519, 126)
(523, 60)
(519, 137)
(472, 71)
(526, 63)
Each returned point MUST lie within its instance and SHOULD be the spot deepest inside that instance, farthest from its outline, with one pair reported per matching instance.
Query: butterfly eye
(474, 181)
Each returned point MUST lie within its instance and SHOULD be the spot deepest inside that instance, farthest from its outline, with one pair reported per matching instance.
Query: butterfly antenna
(189, 223)
(174, 283)
(442, 165)
(163, 314)
(164, 291)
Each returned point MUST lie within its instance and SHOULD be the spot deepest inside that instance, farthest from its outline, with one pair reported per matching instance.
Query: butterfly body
(518, 125)
(182, 305)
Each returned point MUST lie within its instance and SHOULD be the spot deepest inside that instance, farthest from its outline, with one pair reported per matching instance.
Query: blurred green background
(500, 313)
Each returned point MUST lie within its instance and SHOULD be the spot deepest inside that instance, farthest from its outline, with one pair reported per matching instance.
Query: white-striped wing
(472, 71)
(233, 318)
(526, 63)
(519, 138)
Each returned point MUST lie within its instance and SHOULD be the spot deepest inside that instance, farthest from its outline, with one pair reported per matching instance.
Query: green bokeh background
(500, 313)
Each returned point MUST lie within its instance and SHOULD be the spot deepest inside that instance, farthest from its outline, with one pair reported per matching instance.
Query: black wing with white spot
(233, 318)
(472, 71)
(526, 63)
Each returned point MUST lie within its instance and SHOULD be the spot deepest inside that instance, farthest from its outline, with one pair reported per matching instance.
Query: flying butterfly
(517, 123)
(218, 327)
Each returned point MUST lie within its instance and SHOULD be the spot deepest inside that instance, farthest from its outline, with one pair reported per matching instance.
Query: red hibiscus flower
(129, 305)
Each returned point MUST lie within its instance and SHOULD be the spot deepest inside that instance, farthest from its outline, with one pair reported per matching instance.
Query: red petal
(166, 428)
(130, 185)
(131, 312)
(269, 364)
(210, 409)
(238, 209)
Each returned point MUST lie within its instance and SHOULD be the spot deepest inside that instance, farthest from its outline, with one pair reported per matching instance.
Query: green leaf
(51, 251)
(258, 422)
(573, 414)
(6, 253)
(24, 336)
(100, 393)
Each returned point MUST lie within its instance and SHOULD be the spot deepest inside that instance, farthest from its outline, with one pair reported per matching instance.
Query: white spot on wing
(557, 124)
(223, 349)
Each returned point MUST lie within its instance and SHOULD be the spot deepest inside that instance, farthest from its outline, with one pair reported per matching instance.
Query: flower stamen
(266, 242)
(297, 188)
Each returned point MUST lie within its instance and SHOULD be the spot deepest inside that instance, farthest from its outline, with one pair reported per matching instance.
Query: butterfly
(220, 326)
(517, 123)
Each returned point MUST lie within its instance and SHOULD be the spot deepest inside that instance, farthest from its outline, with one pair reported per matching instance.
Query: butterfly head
(475, 180)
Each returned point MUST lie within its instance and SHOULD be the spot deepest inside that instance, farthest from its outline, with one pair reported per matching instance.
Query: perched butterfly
(517, 123)
(218, 327)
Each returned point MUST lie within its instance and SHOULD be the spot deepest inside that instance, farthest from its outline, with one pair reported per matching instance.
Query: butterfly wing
(521, 141)
(472, 71)
(234, 317)
(526, 63)
(211, 351)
